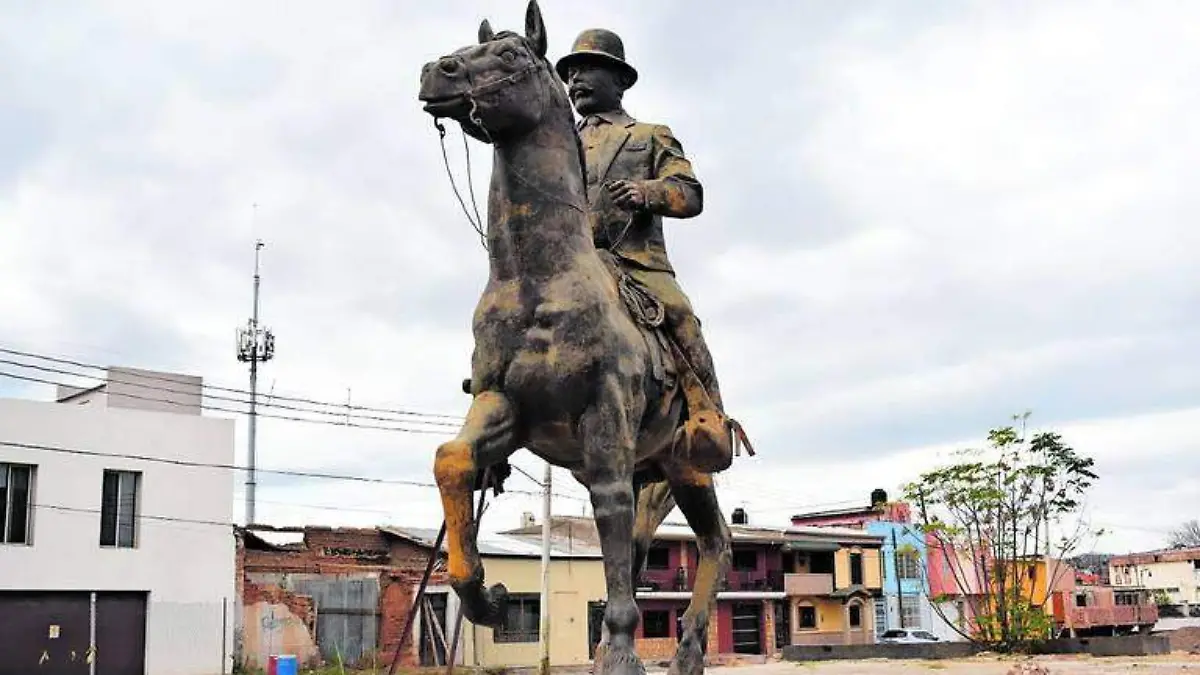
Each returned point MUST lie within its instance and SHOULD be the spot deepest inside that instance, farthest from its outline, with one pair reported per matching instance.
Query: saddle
(708, 439)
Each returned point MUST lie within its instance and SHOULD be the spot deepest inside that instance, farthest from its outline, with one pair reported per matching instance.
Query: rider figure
(636, 174)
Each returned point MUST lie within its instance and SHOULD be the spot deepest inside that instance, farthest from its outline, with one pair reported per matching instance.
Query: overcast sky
(920, 218)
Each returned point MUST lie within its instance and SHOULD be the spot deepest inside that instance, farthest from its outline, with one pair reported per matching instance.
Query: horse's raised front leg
(608, 445)
(486, 437)
(697, 499)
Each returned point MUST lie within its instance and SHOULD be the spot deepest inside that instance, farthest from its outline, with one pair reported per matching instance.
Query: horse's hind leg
(486, 438)
(697, 499)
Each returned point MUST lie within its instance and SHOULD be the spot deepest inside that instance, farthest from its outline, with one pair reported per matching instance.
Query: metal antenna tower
(254, 343)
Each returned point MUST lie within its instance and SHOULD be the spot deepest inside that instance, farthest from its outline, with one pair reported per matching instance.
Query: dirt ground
(981, 665)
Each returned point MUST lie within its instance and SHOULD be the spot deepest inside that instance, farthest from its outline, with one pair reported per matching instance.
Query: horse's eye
(508, 55)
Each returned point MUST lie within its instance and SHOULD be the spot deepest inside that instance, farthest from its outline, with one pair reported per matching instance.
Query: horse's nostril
(448, 66)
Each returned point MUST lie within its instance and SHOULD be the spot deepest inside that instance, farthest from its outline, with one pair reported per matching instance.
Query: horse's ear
(485, 32)
(535, 28)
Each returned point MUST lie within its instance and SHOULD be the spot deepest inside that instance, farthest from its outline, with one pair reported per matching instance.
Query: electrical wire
(234, 390)
(215, 397)
(237, 467)
(291, 418)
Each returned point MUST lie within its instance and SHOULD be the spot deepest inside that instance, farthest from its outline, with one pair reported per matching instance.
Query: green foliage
(997, 507)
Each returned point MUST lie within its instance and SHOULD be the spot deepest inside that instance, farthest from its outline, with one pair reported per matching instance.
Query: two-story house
(785, 585)
(1173, 575)
(906, 593)
(117, 548)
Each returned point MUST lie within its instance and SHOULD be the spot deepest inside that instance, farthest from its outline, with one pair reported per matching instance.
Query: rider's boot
(706, 439)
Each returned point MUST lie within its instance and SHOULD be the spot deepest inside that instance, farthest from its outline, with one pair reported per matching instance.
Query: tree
(1186, 535)
(994, 511)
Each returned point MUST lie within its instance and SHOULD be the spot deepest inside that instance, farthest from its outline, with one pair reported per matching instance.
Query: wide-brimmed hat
(597, 44)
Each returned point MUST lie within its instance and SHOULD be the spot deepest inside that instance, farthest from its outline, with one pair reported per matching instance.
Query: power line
(59, 371)
(291, 418)
(169, 519)
(295, 399)
(236, 467)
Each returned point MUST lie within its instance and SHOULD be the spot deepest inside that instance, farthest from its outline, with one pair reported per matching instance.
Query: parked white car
(906, 636)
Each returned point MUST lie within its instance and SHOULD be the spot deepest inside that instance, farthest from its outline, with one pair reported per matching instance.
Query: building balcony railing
(807, 584)
(683, 578)
(1119, 615)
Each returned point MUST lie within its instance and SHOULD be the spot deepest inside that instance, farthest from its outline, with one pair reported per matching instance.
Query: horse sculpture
(561, 365)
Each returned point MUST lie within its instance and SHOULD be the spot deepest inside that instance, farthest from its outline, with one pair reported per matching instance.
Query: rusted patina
(577, 356)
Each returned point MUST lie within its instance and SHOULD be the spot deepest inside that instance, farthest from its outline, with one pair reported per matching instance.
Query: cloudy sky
(920, 219)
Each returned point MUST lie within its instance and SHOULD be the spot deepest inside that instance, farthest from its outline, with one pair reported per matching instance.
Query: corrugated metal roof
(504, 544)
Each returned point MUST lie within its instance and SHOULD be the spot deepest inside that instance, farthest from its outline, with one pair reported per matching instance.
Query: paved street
(1057, 665)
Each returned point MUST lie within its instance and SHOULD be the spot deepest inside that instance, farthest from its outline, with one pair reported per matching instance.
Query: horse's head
(498, 88)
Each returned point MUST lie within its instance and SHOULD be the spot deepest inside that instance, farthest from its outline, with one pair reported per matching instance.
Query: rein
(472, 96)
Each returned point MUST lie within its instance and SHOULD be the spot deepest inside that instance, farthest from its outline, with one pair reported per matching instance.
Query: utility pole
(255, 343)
(544, 604)
(899, 588)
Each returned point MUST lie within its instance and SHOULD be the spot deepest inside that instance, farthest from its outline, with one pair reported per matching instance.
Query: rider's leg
(684, 327)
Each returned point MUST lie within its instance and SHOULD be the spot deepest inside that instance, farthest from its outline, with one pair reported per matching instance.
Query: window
(1081, 600)
(118, 509)
(658, 558)
(880, 616)
(808, 617)
(856, 569)
(911, 612)
(856, 615)
(745, 560)
(16, 503)
(656, 623)
(522, 622)
(908, 565)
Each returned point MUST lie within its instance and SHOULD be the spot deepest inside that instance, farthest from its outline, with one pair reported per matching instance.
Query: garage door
(50, 633)
(45, 632)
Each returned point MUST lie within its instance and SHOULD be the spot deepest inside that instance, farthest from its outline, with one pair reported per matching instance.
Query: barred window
(908, 565)
(522, 622)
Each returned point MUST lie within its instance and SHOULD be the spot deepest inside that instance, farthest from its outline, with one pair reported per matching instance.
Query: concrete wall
(573, 583)
(1105, 646)
(187, 567)
(141, 390)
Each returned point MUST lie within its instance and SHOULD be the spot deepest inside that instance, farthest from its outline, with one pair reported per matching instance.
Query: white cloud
(917, 222)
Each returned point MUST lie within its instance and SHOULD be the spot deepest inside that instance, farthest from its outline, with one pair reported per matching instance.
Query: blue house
(905, 602)
(905, 581)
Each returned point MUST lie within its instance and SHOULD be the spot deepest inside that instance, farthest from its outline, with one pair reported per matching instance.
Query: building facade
(1171, 575)
(906, 598)
(784, 586)
(117, 543)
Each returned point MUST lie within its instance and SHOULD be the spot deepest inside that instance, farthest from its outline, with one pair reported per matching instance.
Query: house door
(436, 631)
(783, 624)
(594, 626)
(747, 628)
(120, 633)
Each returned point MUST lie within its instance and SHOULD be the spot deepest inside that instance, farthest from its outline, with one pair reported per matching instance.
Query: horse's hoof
(482, 606)
(620, 662)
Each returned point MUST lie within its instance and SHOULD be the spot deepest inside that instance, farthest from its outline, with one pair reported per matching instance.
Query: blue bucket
(285, 665)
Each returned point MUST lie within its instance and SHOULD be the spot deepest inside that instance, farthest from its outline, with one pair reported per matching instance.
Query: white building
(105, 550)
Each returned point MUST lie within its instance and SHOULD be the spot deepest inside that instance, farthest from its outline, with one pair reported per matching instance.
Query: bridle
(474, 94)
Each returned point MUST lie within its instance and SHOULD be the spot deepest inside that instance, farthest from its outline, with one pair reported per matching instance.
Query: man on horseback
(637, 174)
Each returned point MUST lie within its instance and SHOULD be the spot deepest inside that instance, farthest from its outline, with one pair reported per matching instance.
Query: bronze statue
(637, 174)
(571, 357)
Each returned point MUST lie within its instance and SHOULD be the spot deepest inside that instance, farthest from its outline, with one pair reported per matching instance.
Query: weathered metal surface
(589, 362)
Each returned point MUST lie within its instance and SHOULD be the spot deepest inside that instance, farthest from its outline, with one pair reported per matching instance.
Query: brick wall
(655, 649)
(400, 565)
(768, 627)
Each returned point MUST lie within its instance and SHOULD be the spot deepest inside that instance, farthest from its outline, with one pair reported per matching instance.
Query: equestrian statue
(587, 352)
